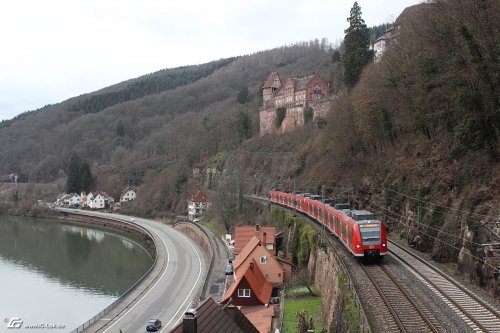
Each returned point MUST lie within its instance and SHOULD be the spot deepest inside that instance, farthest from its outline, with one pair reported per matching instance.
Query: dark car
(153, 325)
(230, 258)
(229, 270)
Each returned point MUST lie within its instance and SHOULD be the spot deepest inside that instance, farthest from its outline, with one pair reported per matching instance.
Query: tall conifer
(357, 53)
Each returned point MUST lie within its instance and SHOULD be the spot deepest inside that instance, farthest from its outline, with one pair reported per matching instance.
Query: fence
(204, 291)
(119, 299)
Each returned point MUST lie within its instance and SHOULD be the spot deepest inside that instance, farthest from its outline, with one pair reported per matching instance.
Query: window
(263, 259)
(267, 276)
(270, 246)
(279, 274)
(370, 233)
(243, 292)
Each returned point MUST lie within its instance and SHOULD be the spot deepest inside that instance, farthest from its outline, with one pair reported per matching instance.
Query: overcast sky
(52, 50)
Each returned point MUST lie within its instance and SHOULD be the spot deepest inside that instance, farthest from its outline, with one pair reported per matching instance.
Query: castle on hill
(296, 95)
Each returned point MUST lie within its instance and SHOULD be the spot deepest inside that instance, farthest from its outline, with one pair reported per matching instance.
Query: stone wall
(267, 121)
(325, 266)
(320, 108)
(294, 117)
(324, 269)
(196, 234)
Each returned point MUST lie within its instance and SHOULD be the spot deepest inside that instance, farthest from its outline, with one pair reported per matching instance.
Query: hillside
(151, 130)
(416, 140)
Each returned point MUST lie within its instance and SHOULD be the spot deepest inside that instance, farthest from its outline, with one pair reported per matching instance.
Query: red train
(358, 230)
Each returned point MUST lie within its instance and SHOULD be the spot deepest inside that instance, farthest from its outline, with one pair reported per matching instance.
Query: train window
(370, 233)
(349, 235)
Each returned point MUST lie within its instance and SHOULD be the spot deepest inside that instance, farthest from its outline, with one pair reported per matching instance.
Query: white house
(128, 194)
(65, 199)
(74, 199)
(197, 205)
(381, 44)
(96, 201)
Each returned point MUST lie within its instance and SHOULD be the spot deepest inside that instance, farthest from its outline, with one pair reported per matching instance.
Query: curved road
(181, 274)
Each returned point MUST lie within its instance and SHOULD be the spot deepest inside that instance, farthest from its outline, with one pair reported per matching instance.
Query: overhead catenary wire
(439, 240)
(400, 221)
(350, 188)
(437, 205)
(416, 222)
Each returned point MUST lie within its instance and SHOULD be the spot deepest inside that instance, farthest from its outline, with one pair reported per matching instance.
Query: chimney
(264, 239)
(257, 227)
(190, 322)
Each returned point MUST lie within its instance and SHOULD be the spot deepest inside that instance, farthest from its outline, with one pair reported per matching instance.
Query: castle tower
(272, 85)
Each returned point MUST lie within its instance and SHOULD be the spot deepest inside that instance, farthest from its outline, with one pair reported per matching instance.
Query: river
(55, 276)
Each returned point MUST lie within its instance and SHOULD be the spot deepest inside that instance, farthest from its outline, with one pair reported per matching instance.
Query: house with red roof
(276, 271)
(250, 287)
(267, 235)
(197, 205)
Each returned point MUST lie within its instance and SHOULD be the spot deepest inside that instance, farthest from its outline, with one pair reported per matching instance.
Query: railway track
(407, 315)
(479, 315)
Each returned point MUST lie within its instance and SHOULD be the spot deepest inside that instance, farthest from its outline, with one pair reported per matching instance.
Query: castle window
(317, 89)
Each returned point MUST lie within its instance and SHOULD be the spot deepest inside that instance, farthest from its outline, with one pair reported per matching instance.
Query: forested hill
(147, 85)
(169, 119)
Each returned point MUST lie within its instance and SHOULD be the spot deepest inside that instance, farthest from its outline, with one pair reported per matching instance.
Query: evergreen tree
(357, 53)
(79, 176)
(73, 182)
(243, 96)
(86, 179)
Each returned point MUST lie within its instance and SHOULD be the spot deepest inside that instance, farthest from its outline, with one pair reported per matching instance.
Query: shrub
(280, 116)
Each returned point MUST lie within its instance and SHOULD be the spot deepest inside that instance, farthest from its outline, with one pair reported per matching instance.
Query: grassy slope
(293, 306)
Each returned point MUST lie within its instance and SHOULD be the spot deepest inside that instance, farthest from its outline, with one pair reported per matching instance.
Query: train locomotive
(357, 230)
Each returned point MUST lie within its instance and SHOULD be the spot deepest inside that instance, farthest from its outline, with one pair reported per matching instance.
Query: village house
(96, 200)
(68, 200)
(242, 235)
(381, 44)
(209, 317)
(392, 33)
(128, 194)
(197, 205)
(250, 287)
(251, 292)
(258, 274)
(296, 95)
(73, 200)
(276, 271)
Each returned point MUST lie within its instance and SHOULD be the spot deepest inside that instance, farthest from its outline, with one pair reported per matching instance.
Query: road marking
(196, 282)
(151, 289)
